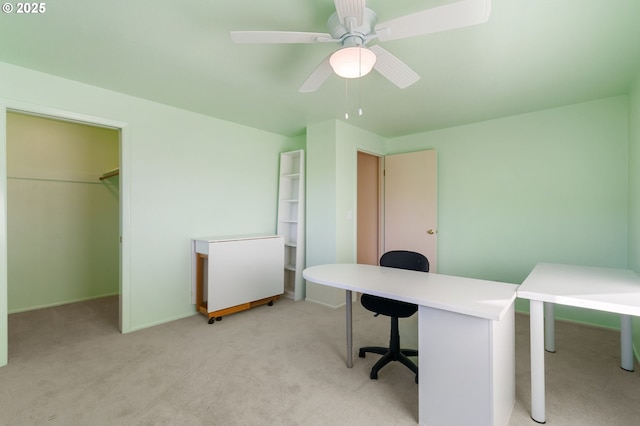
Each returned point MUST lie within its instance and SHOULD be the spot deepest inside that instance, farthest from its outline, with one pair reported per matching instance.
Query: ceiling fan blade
(317, 77)
(393, 69)
(272, 37)
(350, 9)
(442, 18)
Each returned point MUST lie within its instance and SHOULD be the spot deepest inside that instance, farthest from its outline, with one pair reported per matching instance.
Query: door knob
(431, 232)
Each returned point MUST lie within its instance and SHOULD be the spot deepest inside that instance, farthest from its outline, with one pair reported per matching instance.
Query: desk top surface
(225, 238)
(468, 296)
(605, 289)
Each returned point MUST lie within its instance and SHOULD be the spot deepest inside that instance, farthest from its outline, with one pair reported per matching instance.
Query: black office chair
(395, 309)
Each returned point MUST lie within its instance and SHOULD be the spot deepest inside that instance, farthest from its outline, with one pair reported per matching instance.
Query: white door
(410, 204)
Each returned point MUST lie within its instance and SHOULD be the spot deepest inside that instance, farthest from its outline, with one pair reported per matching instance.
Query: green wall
(183, 175)
(544, 186)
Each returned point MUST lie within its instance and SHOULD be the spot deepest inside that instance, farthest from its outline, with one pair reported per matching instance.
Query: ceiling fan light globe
(352, 62)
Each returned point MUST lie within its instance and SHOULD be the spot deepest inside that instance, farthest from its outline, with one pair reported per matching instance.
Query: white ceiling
(531, 55)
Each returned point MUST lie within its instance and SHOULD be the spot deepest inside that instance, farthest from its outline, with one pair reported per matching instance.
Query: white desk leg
(626, 348)
(349, 330)
(536, 319)
(549, 327)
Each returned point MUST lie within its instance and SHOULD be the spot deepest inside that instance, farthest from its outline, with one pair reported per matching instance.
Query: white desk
(604, 289)
(466, 338)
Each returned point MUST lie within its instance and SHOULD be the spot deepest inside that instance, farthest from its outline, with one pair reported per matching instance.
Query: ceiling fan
(354, 25)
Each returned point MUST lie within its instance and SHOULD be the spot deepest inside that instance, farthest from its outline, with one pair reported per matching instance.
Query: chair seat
(388, 307)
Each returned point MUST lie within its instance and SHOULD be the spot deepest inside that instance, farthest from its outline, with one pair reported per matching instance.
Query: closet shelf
(110, 173)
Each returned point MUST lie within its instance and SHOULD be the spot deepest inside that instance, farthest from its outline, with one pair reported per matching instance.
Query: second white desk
(603, 289)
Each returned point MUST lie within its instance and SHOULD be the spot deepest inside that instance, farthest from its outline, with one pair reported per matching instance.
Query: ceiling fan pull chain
(360, 81)
(360, 96)
(346, 99)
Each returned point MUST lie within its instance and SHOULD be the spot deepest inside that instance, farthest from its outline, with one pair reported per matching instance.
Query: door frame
(124, 207)
(380, 201)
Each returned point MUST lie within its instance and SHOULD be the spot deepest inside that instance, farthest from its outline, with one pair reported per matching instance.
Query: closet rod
(53, 180)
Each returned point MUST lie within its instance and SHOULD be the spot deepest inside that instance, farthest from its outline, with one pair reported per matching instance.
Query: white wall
(183, 175)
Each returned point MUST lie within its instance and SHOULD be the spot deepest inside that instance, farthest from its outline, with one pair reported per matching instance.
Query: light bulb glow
(352, 62)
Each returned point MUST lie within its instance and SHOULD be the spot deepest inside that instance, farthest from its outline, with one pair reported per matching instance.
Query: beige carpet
(279, 365)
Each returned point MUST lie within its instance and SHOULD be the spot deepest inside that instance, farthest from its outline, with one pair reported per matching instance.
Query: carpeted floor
(279, 365)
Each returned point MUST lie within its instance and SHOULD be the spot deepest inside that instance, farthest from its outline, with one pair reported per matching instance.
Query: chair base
(387, 357)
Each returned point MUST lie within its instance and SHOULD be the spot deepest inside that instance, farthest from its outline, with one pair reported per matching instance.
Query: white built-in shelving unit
(291, 221)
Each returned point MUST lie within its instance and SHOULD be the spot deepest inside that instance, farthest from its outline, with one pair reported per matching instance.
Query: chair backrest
(401, 259)
(404, 259)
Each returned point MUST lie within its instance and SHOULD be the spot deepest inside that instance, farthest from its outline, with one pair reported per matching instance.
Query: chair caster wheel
(212, 320)
(218, 318)
(361, 354)
(270, 303)
(373, 376)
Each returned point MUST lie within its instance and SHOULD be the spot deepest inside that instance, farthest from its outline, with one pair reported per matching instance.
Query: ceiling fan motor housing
(351, 32)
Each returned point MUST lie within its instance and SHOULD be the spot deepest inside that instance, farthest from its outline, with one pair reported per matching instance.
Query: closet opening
(63, 207)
